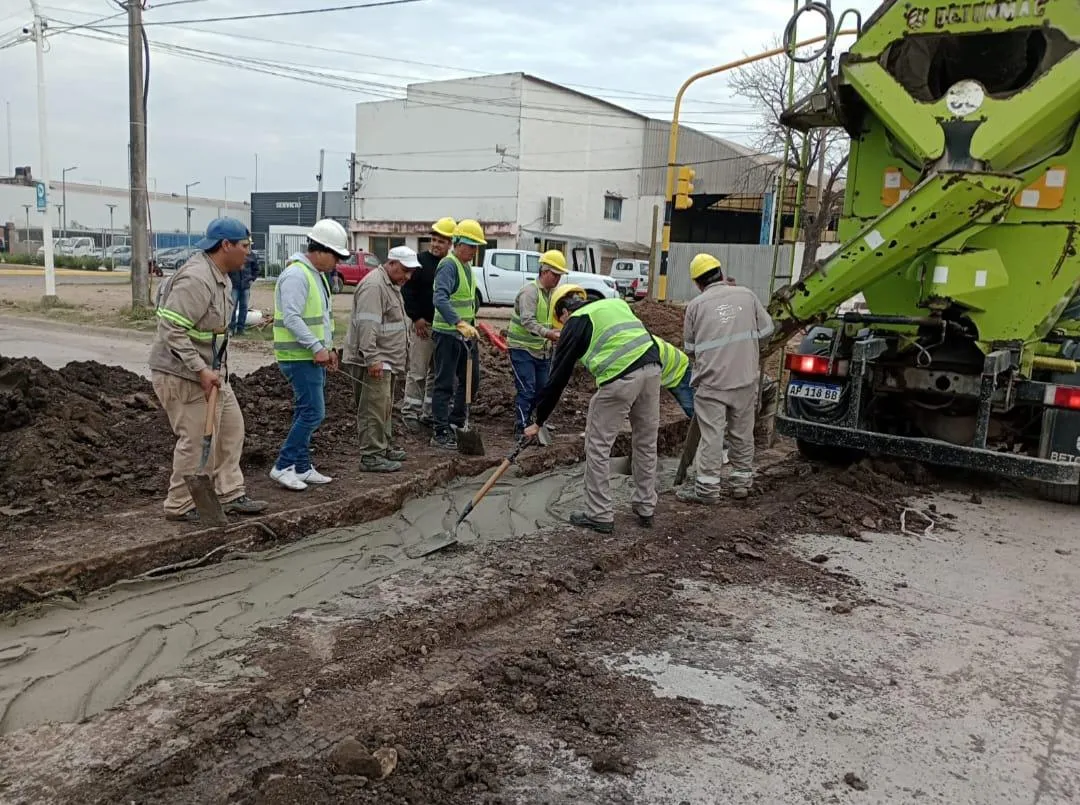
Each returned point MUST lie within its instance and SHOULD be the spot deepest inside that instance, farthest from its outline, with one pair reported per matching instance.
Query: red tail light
(1067, 397)
(808, 364)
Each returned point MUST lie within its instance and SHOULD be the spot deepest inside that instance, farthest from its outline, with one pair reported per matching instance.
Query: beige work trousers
(720, 412)
(374, 401)
(636, 395)
(420, 376)
(185, 404)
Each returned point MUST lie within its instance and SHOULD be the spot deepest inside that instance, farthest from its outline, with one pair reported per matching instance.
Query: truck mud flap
(932, 451)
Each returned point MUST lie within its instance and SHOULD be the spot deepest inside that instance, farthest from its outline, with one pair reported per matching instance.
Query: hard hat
(470, 232)
(444, 227)
(559, 293)
(332, 235)
(702, 264)
(555, 260)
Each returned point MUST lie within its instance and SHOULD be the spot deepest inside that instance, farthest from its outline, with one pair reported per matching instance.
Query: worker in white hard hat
(721, 331)
(304, 346)
(454, 333)
(531, 335)
(419, 296)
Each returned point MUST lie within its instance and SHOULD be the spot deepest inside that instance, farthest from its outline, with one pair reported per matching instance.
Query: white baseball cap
(404, 255)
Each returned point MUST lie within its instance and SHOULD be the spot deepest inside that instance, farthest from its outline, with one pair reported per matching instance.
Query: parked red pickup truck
(351, 271)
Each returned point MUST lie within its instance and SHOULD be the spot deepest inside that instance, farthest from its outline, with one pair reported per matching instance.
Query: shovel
(445, 539)
(690, 446)
(201, 485)
(469, 441)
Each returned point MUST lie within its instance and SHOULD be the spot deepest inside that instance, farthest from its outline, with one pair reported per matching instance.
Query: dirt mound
(662, 319)
(77, 438)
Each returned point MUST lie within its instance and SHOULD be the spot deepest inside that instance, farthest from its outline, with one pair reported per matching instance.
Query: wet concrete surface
(67, 664)
(57, 344)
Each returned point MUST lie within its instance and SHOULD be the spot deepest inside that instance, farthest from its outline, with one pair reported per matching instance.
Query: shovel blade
(470, 442)
(442, 540)
(201, 488)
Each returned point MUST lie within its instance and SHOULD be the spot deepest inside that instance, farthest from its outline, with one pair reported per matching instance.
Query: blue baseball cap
(223, 229)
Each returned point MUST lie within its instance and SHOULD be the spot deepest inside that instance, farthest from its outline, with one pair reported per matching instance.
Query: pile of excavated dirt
(662, 319)
(76, 439)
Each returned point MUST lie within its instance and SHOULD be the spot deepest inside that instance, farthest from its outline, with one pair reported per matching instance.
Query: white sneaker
(313, 476)
(288, 479)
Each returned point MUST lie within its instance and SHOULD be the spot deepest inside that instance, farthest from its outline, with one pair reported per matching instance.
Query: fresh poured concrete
(68, 664)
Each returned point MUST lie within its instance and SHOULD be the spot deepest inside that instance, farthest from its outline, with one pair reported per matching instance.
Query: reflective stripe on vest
(463, 300)
(618, 339)
(517, 336)
(177, 318)
(286, 347)
(673, 363)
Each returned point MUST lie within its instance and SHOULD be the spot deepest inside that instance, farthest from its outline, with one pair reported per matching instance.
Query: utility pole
(43, 142)
(140, 243)
(10, 148)
(352, 187)
(318, 192)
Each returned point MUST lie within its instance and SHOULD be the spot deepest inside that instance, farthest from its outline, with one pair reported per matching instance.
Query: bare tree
(765, 83)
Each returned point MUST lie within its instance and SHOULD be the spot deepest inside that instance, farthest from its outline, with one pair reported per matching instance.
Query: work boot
(584, 521)
(190, 516)
(395, 454)
(689, 494)
(379, 464)
(245, 505)
(644, 520)
(445, 441)
(740, 492)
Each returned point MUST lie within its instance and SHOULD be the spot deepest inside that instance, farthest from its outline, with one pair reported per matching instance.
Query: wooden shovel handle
(490, 482)
(211, 412)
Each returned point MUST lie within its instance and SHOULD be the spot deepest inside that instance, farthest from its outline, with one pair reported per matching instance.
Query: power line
(275, 14)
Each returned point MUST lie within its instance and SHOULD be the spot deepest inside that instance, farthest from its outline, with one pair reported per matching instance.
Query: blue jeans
(240, 297)
(309, 409)
(684, 395)
(530, 375)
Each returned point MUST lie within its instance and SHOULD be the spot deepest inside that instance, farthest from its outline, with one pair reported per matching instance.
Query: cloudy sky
(219, 93)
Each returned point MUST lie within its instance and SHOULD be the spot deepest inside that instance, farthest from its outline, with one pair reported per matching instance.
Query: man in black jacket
(418, 294)
(241, 283)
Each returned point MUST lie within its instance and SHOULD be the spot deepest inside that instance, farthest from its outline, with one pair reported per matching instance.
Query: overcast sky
(208, 120)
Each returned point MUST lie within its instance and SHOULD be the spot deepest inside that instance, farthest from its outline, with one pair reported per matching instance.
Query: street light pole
(187, 210)
(27, 208)
(63, 199)
(43, 143)
(112, 236)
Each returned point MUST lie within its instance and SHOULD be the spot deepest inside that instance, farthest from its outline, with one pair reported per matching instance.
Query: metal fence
(750, 265)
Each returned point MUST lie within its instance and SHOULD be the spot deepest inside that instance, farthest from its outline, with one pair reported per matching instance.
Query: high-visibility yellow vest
(163, 312)
(673, 363)
(618, 338)
(517, 336)
(463, 300)
(286, 347)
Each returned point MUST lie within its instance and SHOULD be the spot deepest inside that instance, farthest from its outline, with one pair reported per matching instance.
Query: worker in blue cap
(195, 307)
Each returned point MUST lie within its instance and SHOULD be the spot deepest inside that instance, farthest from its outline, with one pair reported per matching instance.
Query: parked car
(624, 271)
(175, 258)
(352, 270)
(639, 288)
(70, 247)
(504, 271)
(120, 254)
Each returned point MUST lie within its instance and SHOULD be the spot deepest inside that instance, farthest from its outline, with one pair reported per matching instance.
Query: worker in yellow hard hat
(721, 330)
(454, 332)
(624, 360)
(419, 296)
(531, 334)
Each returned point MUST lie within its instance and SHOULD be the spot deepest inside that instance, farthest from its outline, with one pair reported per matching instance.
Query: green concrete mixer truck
(959, 228)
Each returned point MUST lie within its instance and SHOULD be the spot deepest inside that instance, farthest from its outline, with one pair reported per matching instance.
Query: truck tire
(828, 454)
(1069, 494)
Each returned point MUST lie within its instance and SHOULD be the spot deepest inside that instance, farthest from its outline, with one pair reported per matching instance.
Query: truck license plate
(814, 391)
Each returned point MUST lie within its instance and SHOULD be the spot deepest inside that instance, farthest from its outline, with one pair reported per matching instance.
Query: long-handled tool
(448, 537)
(469, 441)
(690, 446)
(201, 485)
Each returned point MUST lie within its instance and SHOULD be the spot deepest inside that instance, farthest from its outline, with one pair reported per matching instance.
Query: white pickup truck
(504, 271)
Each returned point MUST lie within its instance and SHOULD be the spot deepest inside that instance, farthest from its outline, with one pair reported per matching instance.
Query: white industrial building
(88, 210)
(538, 164)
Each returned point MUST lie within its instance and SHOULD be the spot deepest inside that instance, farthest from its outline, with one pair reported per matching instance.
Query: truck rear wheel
(828, 454)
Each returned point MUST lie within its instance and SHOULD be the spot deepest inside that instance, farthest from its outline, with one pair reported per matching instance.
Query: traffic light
(684, 187)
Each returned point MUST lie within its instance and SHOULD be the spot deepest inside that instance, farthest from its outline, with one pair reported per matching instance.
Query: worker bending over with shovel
(531, 334)
(621, 355)
(375, 351)
(304, 347)
(188, 359)
(454, 333)
(721, 330)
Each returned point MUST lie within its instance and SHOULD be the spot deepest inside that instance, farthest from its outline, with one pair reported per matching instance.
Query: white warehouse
(538, 164)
